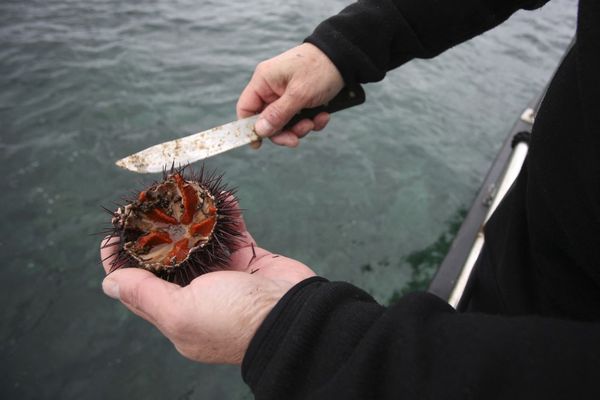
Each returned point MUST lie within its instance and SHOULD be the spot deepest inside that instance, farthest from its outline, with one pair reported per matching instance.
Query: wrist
(323, 61)
(264, 299)
(266, 338)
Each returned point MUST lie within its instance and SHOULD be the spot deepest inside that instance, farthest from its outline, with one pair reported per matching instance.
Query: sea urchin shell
(178, 228)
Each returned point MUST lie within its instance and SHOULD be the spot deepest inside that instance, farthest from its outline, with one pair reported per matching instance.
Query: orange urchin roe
(189, 197)
(153, 239)
(160, 216)
(142, 196)
(203, 228)
(179, 252)
(175, 217)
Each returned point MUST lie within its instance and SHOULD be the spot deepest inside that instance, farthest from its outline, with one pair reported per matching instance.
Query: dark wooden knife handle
(349, 96)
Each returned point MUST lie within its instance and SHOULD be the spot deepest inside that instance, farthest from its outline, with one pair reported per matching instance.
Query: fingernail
(263, 127)
(111, 288)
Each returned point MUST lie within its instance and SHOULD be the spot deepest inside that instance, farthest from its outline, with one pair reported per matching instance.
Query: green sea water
(373, 200)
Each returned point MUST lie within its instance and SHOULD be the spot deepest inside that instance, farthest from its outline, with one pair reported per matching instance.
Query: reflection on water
(85, 83)
(424, 262)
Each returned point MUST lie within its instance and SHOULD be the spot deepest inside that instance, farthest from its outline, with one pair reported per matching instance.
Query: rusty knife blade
(188, 149)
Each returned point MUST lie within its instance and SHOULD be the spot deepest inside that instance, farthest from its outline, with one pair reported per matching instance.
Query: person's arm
(371, 37)
(360, 44)
(330, 340)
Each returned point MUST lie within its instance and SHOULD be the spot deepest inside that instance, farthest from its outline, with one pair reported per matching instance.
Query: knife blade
(201, 145)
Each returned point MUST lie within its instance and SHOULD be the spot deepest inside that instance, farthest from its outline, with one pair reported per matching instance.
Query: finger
(302, 128)
(255, 96)
(270, 266)
(232, 204)
(286, 138)
(244, 258)
(256, 144)
(142, 292)
(273, 118)
(245, 247)
(245, 239)
(109, 248)
(250, 102)
(321, 121)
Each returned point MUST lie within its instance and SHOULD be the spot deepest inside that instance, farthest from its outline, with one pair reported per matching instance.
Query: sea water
(373, 200)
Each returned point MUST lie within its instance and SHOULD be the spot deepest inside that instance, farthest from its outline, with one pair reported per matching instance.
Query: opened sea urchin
(178, 228)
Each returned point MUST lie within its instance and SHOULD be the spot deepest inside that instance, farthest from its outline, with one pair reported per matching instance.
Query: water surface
(372, 200)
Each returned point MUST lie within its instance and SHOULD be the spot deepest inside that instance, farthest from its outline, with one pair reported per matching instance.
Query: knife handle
(349, 96)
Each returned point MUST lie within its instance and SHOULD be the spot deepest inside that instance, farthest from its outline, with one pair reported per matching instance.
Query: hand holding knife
(199, 146)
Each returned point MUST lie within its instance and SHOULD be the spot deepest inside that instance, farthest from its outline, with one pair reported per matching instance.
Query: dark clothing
(330, 340)
(536, 329)
(371, 37)
(543, 243)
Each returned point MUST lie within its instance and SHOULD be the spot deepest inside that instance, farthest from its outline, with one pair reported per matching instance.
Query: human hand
(303, 77)
(213, 319)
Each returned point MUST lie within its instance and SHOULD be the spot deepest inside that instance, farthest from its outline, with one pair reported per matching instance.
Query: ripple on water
(85, 83)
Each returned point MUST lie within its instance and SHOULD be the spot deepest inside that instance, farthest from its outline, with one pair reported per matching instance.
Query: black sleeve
(331, 340)
(370, 37)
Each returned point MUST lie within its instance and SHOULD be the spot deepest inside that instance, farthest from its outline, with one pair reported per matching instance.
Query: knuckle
(261, 68)
(134, 296)
(275, 114)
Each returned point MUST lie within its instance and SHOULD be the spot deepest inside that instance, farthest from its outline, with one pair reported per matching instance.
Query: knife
(199, 146)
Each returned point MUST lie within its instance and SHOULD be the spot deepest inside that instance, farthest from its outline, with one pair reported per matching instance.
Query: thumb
(277, 114)
(141, 291)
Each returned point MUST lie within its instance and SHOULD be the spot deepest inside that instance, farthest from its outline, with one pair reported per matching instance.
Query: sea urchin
(178, 228)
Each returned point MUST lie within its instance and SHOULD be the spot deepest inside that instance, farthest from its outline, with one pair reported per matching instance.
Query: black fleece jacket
(533, 325)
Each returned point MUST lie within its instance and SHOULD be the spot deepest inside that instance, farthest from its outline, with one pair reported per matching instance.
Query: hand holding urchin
(178, 228)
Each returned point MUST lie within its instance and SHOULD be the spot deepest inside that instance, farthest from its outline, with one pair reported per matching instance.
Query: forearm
(370, 37)
(331, 340)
